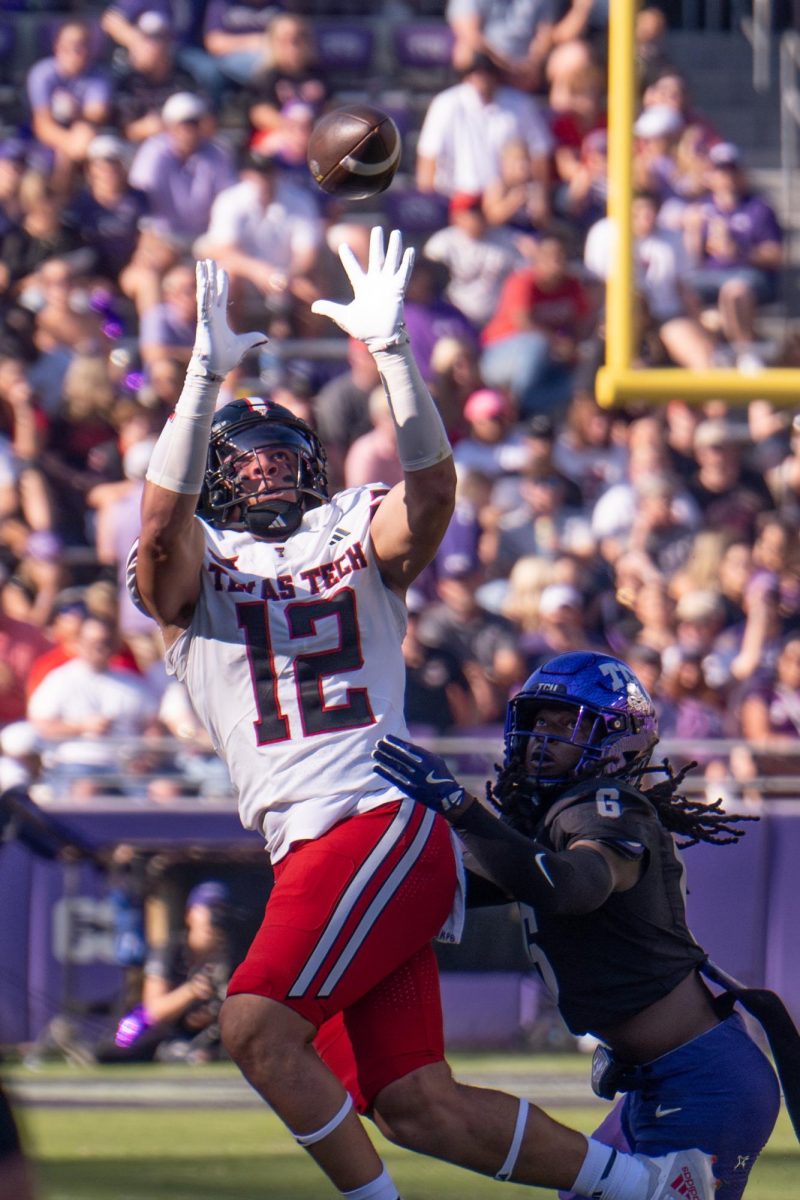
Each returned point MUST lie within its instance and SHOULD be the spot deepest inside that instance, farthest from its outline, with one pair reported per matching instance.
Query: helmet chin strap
(273, 519)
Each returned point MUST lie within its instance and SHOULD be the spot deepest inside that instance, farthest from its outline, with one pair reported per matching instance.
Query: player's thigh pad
(349, 908)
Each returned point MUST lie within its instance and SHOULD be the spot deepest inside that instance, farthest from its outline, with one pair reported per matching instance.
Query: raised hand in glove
(217, 349)
(423, 776)
(375, 314)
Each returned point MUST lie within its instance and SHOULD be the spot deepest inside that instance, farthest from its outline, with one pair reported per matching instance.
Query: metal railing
(201, 781)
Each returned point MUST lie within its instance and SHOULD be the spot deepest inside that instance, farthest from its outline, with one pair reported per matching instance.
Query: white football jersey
(293, 663)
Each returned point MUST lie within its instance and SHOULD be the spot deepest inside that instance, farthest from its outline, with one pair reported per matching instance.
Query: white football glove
(217, 349)
(375, 314)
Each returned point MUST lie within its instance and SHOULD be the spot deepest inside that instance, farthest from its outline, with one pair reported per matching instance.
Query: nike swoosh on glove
(423, 776)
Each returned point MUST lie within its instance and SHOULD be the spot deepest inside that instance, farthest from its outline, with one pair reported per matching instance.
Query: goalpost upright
(619, 381)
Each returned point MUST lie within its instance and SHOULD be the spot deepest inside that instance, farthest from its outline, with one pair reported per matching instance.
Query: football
(354, 151)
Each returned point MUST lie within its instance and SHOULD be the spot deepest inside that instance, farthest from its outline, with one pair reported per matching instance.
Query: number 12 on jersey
(311, 668)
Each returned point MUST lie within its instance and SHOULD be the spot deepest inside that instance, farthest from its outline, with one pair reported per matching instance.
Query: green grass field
(148, 1153)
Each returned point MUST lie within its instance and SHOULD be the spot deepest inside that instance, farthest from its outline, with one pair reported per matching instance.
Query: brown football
(354, 151)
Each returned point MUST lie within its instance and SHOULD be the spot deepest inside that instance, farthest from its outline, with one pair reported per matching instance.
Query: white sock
(381, 1188)
(607, 1174)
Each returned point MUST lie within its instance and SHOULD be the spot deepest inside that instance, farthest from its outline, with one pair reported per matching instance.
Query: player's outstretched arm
(170, 548)
(411, 522)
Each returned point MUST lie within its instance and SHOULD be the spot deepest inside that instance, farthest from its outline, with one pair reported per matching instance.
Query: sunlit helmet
(239, 430)
(621, 729)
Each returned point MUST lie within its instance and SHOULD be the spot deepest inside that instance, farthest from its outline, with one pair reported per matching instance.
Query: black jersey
(614, 962)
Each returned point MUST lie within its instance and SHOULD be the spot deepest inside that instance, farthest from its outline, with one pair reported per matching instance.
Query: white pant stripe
(378, 904)
(351, 897)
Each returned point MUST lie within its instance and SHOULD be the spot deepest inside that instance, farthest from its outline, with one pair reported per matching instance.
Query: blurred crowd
(155, 133)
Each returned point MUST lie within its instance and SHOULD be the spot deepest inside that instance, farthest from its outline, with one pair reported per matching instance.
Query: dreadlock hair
(695, 821)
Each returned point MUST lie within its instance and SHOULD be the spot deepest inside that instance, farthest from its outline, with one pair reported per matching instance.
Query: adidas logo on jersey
(338, 534)
(683, 1185)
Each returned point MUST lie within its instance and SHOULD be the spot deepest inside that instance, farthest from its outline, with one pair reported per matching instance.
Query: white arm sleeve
(421, 436)
(178, 462)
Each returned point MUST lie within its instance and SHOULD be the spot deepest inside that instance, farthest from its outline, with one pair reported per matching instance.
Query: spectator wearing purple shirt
(182, 170)
(735, 241)
(429, 317)
(69, 100)
(235, 34)
(106, 212)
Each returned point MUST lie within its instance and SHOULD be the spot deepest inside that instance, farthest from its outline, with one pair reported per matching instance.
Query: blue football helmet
(239, 430)
(620, 729)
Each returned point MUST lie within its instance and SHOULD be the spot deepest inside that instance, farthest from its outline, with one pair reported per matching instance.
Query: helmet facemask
(229, 497)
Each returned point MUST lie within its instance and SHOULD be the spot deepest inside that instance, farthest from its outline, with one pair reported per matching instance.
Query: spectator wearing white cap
(657, 131)
(494, 445)
(106, 211)
(182, 169)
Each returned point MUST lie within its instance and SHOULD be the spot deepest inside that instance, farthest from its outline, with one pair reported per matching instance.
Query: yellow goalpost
(619, 381)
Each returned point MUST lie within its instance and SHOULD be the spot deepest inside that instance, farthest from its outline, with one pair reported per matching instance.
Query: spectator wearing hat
(562, 629)
(727, 492)
(531, 343)
(182, 170)
(150, 76)
(517, 43)
(106, 211)
(657, 131)
(735, 246)
(267, 233)
(122, 21)
(70, 99)
(467, 126)
(539, 436)
(668, 307)
(494, 444)
(183, 988)
(458, 624)
(478, 258)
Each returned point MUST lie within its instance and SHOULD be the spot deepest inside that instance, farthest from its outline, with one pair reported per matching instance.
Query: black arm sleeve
(570, 882)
